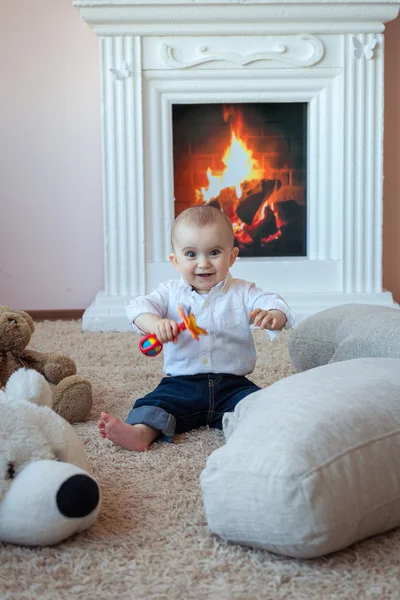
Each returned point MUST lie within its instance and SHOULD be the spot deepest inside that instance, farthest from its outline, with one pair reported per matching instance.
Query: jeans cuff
(154, 417)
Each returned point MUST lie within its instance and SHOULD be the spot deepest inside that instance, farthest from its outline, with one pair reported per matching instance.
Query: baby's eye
(190, 254)
(215, 252)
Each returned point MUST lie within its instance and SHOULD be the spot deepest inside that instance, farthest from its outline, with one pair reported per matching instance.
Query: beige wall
(50, 173)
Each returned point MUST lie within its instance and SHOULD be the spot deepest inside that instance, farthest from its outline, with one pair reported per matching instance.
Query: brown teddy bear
(72, 394)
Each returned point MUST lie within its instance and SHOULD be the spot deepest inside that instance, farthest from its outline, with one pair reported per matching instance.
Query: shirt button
(204, 361)
(205, 304)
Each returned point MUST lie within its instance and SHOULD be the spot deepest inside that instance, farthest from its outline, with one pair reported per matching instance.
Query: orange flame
(240, 166)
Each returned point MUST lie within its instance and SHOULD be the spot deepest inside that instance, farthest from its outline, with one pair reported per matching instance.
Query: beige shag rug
(151, 540)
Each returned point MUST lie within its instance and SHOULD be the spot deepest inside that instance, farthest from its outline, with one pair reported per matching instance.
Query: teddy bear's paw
(57, 367)
(72, 398)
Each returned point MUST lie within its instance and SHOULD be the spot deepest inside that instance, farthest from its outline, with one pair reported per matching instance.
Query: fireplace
(298, 87)
(248, 160)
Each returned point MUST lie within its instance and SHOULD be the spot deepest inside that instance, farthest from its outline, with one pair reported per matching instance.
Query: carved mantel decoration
(278, 53)
(326, 53)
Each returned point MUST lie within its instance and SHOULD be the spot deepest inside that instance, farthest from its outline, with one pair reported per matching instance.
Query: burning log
(255, 193)
(292, 240)
(293, 216)
(253, 219)
(227, 201)
(266, 227)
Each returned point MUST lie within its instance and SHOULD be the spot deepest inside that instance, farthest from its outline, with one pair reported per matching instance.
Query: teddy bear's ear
(5, 308)
(28, 318)
(23, 314)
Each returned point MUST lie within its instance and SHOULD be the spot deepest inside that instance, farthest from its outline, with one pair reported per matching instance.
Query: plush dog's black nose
(78, 496)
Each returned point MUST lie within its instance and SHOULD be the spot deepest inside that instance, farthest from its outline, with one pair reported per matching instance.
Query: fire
(235, 187)
(240, 166)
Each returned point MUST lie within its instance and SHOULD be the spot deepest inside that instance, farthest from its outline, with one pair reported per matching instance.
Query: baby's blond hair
(200, 216)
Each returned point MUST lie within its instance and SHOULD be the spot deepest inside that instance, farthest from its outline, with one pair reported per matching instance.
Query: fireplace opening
(250, 161)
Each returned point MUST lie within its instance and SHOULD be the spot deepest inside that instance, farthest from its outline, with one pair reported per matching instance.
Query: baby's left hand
(268, 319)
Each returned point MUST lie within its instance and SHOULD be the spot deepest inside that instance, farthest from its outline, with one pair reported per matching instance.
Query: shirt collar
(222, 285)
(226, 283)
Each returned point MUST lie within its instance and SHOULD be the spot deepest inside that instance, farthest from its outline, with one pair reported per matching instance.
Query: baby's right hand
(166, 330)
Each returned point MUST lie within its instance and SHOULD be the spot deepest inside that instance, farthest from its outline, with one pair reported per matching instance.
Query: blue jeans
(182, 403)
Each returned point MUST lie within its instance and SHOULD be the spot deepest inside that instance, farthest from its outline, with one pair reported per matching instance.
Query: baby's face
(203, 255)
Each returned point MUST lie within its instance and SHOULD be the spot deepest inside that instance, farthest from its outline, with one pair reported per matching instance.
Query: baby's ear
(174, 260)
(234, 255)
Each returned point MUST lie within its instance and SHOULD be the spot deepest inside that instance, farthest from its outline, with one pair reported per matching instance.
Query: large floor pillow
(312, 463)
(344, 332)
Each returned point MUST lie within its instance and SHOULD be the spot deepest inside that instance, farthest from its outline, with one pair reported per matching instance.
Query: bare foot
(131, 437)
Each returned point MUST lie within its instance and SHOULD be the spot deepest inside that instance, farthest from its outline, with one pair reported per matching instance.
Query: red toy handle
(150, 345)
(154, 346)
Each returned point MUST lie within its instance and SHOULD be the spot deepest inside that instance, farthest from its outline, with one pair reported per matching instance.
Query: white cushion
(345, 332)
(312, 463)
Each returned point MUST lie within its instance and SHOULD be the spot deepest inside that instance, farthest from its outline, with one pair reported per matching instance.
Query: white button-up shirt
(223, 312)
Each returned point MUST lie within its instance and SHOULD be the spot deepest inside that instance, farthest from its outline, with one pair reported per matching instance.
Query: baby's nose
(203, 261)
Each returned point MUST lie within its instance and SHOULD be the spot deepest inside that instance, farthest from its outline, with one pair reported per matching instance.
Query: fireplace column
(363, 167)
(123, 187)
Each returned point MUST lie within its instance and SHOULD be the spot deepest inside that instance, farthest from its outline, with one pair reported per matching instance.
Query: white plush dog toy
(46, 492)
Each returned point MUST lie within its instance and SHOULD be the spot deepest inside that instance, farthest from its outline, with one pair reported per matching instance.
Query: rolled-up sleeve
(257, 298)
(155, 303)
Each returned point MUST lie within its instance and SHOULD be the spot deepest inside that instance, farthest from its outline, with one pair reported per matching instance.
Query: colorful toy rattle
(150, 345)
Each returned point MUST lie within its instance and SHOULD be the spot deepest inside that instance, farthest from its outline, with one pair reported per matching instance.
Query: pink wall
(51, 253)
(51, 244)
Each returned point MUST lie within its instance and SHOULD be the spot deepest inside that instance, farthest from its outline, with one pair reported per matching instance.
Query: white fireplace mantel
(330, 54)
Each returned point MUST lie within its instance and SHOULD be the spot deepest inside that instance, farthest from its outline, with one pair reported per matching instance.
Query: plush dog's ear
(29, 385)
(63, 439)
